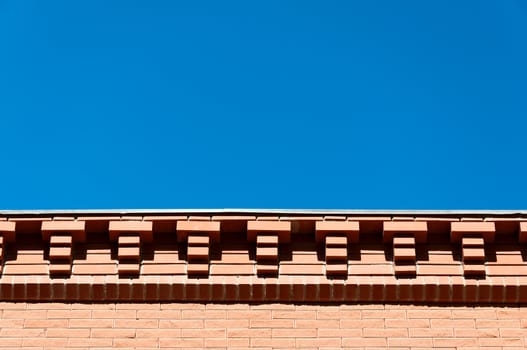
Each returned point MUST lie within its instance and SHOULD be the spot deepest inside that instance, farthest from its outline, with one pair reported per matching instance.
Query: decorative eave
(264, 256)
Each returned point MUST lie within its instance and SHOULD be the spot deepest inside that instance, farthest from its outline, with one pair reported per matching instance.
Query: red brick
(60, 240)
(364, 342)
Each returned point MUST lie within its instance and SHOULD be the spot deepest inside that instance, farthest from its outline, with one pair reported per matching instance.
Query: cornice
(264, 256)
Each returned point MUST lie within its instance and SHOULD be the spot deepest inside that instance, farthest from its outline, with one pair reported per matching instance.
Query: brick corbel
(404, 235)
(61, 236)
(473, 236)
(268, 236)
(7, 235)
(336, 235)
(199, 235)
(130, 235)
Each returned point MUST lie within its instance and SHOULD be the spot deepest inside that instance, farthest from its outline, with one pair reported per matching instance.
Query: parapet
(264, 256)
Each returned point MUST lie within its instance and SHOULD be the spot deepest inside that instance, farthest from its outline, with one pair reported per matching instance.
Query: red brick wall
(266, 326)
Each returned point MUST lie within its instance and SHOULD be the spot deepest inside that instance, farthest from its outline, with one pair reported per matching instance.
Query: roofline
(231, 211)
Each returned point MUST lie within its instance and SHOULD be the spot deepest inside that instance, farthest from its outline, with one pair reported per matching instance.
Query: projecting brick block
(197, 253)
(60, 253)
(281, 228)
(408, 241)
(404, 253)
(128, 268)
(335, 268)
(336, 241)
(350, 229)
(267, 253)
(198, 268)
(459, 229)
(267, 240)
(132, 253)
(58, 268)
(473, 269)
(198, 240)
(142, 228)
(74, 228)
(130, 240)
(473, 254)
(265, 268)
(405, 269)
(472, 241)
(64, 240)
(418, 229)
(336, 253)
(211, 228)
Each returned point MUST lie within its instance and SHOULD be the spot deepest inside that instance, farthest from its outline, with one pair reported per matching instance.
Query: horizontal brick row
(253, 289)
(300, 258)
(248, 326)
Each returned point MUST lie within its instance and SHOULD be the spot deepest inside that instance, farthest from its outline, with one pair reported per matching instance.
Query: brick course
(264, 326)
(263, 281)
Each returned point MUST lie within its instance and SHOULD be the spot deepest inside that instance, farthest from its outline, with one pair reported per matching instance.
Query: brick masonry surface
(264, 326)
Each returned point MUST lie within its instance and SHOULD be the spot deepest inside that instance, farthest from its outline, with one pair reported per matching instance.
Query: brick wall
(266, 326)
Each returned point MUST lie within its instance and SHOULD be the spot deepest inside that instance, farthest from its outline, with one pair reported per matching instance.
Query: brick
(67, 332)
(411, 342)
(472, 241)
(460, 323)
(61, 240)
(336, 241)
(455, 342)
(203, 332)
(473, 254)
(249, 333)
(136, 323)
(198, 240)
(276, 323)
(90, 342)
(404, 254)
(135, 343)
(364, 342)
(186, 227)
(50, 227)
(175, 324)
(266, 253)
(197, 252)
(266, 240)
(130, 226)
(285, 343)
(430, 332)
(403, 241)
(302, 323)
(192, 343)
(129, 253)
(418, 228)
(60, 253)
(112, 333)
(227, 343)
(335, 253)
(87, 323)
(317, 342)
(385, 332)
(129, 240)
(46, 342)
(281, 228)
(348, 228)
(157, 333)
(198, 268)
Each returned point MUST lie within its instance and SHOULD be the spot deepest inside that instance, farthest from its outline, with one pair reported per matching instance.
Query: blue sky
(272, 104)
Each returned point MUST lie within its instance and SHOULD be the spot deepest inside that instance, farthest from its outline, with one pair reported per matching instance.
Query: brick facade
(263, 326)
(263, 280)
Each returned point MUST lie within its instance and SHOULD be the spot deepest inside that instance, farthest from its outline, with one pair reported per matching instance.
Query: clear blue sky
(271, 104)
